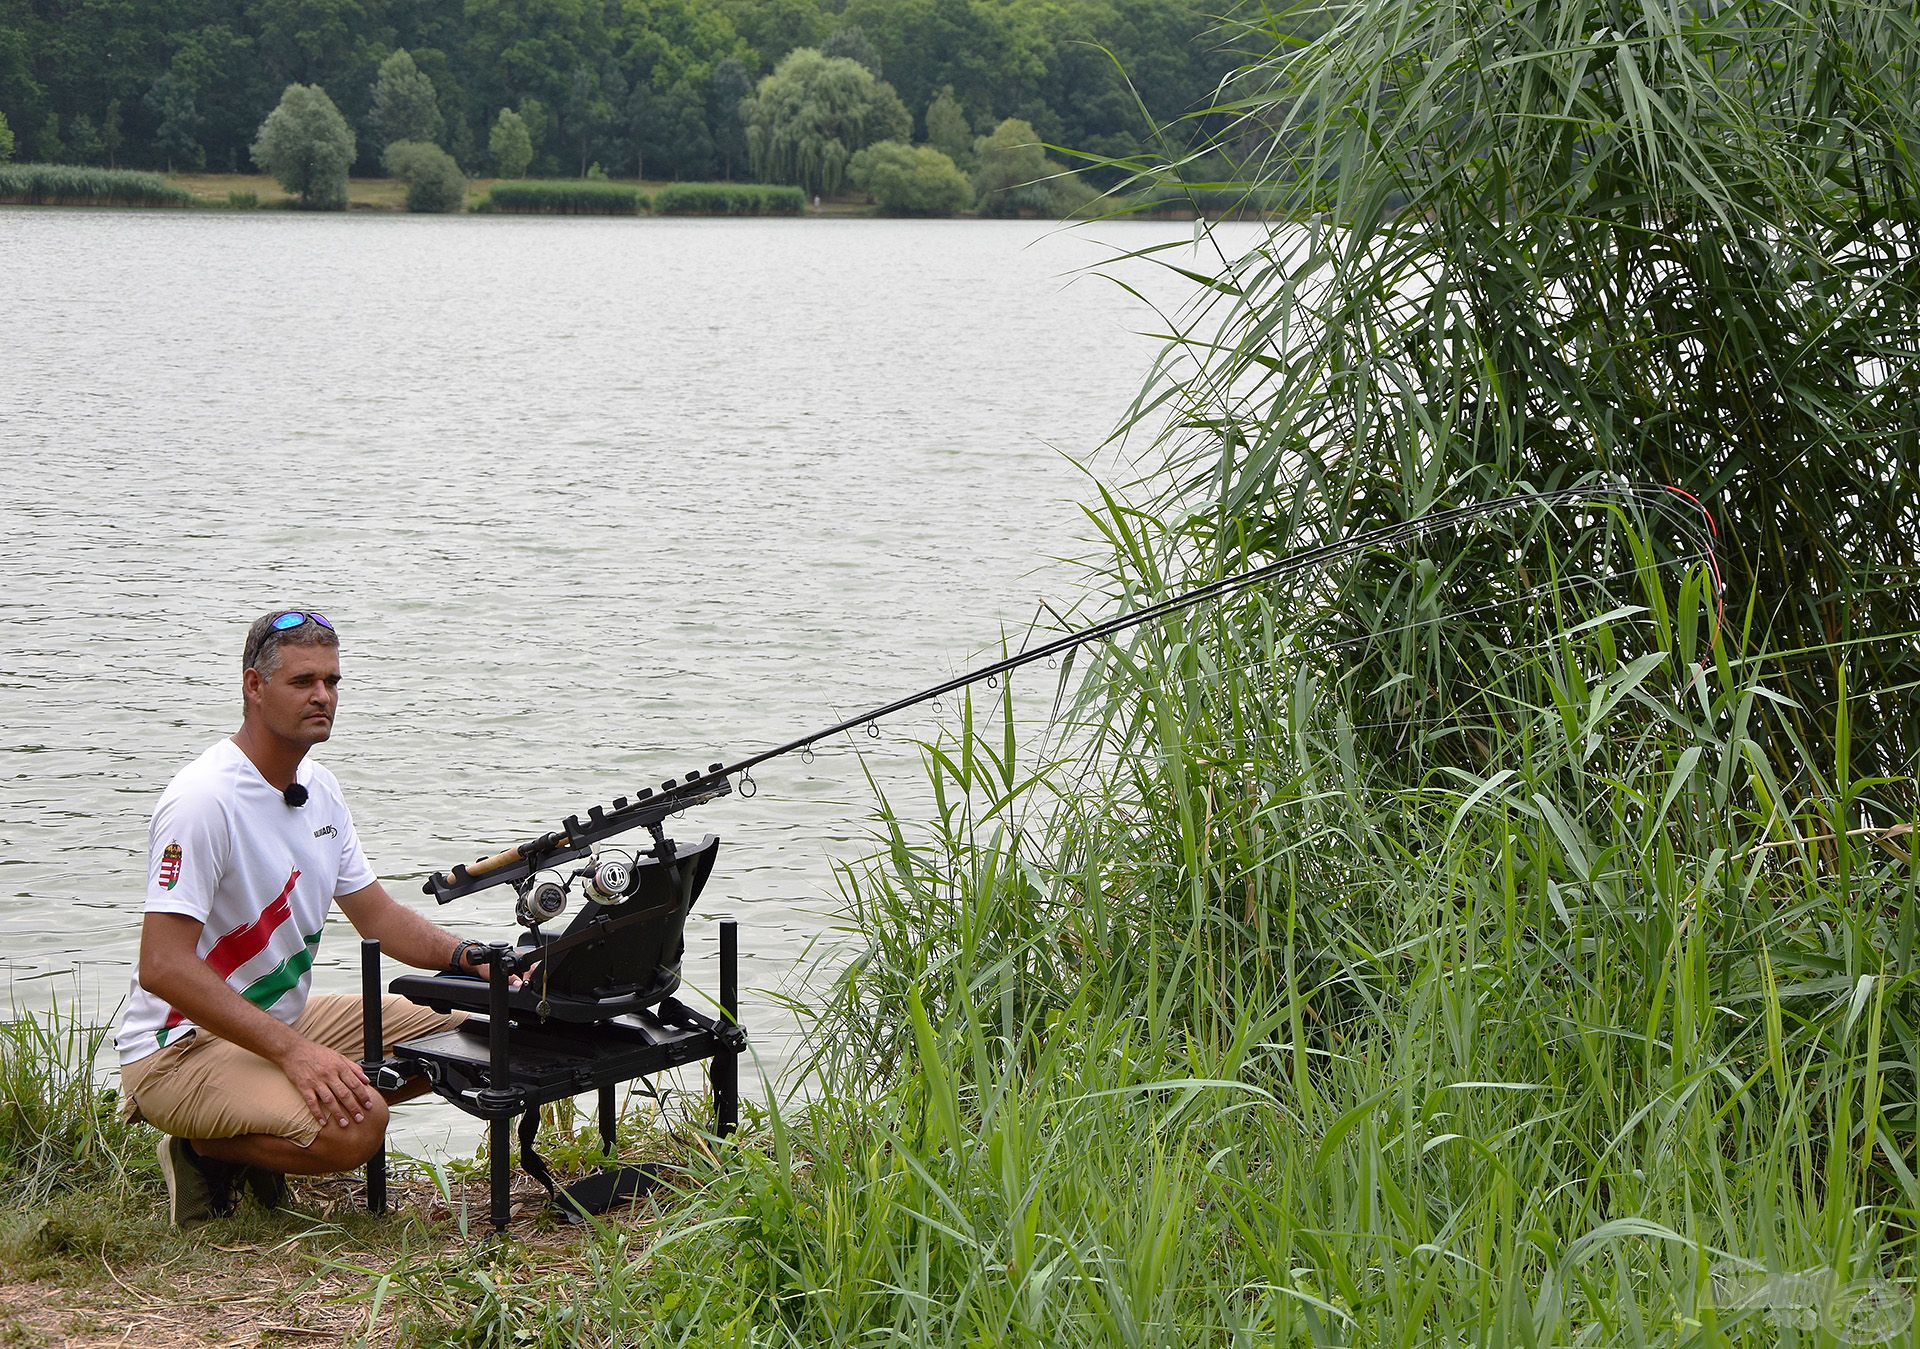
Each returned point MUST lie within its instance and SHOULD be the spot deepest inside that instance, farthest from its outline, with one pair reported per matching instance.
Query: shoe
(199, 1189)
(268, 1188)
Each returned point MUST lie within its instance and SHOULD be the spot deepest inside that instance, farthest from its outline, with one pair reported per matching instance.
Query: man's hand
(405, 935)
(333, 1086)
(483, 969)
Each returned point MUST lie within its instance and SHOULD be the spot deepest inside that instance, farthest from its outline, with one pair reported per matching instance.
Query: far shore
(390, 194)
(387, 196)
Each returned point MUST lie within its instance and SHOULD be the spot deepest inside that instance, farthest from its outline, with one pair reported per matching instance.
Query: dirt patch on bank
(305, 1276)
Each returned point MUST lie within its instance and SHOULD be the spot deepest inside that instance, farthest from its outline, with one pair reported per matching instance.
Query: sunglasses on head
(294, 618)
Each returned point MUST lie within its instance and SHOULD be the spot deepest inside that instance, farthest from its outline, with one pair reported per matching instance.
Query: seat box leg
(724, 1070)
(373, 1051)
(499, 1177)
(498, 1096)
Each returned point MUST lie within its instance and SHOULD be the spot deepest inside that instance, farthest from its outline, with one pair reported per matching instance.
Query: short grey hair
(262, 651)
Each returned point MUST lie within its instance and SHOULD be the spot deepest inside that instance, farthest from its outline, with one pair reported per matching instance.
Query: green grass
(728, 199)
(566, 197)
(72, 185)
(59, 1125)
(1213, 1032)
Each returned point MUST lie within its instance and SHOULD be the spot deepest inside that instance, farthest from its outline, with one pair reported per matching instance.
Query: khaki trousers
(201, 1086)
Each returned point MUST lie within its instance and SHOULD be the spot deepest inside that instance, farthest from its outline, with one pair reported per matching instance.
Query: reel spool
(610, 879)
(543, 898)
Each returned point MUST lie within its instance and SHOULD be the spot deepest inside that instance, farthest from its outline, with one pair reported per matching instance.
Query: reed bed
(728, 199)
(74, 185)
(1212, 1028)
(558, 197)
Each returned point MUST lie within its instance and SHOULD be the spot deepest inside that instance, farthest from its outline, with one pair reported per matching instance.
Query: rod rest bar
(575, 836)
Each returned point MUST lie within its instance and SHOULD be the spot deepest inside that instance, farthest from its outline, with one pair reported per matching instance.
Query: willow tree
(308, 147)
(809, 116)
(1558, 238)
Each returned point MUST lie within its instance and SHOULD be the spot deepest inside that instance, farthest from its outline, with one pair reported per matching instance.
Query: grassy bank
(65, 186)
(1226, 1036)
(1224, 1031)
(86, 1256)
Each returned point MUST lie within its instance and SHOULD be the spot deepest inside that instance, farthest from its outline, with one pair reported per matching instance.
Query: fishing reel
(608, 878)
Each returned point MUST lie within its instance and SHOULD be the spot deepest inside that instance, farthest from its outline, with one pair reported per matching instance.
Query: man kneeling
(221, 1046)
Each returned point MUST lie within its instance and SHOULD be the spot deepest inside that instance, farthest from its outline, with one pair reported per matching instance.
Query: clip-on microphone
(294, 795)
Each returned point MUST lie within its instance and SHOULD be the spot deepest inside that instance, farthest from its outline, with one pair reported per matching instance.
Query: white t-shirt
(260, 875)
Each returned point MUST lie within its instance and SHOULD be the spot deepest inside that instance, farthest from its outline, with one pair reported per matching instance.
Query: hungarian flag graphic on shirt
(263, 960)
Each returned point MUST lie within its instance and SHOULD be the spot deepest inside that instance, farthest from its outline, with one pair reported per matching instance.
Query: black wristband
(457, 962)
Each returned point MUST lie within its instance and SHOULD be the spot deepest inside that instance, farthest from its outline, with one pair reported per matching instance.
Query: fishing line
(649, 809)
(1374, 634)
(1105, 730)
(1565, 586)
(1536, 595)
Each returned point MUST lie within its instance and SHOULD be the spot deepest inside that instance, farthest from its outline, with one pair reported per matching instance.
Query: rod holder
(498, 1094)
(373, 1053)
(724, 1069)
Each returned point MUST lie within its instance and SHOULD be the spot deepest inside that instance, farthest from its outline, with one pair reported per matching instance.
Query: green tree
(589, 114)
(6, 139)
(610, 138)
(509, 144)
(809, 116)
(83, 140)
(307, 146)
(310, 41)
(1011, 169)
(775, 27)
(729, 87)
(905, 179)
(947, 128)
(994, 55)
(852, 42)
(220, 87)
(48, 147)
(405, 107)
(176, 116)
(675, 137)
(460, 141)
(434, 181)
(637, 120)
(112, 134)
(539, 123)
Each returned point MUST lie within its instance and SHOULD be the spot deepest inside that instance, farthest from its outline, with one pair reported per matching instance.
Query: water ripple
(591, 503)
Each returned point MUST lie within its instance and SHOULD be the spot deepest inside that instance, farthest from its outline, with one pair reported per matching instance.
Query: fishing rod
(650, 808)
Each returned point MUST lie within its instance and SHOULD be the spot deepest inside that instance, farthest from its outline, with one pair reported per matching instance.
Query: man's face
(299, 701)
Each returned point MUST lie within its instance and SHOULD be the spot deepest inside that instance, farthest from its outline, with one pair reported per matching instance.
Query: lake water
(592, 503)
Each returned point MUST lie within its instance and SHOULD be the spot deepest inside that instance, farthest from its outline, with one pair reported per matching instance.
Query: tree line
(642, 88)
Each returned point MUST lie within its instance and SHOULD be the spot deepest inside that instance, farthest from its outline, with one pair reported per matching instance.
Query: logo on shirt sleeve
(170, 866)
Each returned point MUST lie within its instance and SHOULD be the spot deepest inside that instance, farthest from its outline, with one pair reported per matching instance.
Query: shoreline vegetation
(80, 186)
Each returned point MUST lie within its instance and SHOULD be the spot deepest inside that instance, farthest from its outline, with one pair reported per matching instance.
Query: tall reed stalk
(1550, 239)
